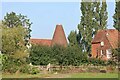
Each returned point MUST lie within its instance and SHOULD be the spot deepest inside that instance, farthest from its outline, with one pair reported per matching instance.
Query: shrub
(34, 70)
(96, 62)
(25, 69)
(111, 62)
(40, 55)
(43, 55)
(10, 64)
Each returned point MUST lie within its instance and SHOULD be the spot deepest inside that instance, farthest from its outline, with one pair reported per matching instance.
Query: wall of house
(96, 48)
(106, 47)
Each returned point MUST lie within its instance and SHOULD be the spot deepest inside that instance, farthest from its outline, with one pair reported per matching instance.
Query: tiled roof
(46, 42)
(111, 34)
(59, 38)
(113, 37)
(99, 36)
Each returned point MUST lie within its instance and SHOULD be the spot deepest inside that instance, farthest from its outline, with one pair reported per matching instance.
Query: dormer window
(102, 43)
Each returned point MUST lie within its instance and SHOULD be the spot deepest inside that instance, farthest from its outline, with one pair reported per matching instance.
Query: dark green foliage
(12, 20)
(116, 16)
(94, 17)
(74, 56)
(58, 53)
(63, 56)
(103, 16)
(96, 62)
(73, 38)
(85, 27)
(111, 62)
(40, 55)
(115, 56)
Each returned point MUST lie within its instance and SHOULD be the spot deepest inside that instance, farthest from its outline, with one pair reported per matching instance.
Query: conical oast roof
(59, 37)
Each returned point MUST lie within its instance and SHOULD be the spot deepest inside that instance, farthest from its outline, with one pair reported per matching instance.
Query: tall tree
(100, 15)
(116, 16)
(72, 37)
(86, 25)
(94, 17)
(13, 20)
(103, 15)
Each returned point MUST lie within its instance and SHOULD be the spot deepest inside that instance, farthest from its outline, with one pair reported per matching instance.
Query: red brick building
(103, 43)
(59, 38)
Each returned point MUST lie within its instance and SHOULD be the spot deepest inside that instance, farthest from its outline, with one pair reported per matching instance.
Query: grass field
(94, 75)
(72, 75)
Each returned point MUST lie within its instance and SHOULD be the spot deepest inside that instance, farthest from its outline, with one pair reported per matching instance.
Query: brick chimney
(59, 37)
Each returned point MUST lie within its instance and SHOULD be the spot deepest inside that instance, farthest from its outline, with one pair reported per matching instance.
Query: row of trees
(58, 55)
(94, 17)
(61, 56)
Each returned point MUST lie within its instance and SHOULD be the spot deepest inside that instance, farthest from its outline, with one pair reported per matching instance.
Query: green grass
(72, 75)
(94, 75)
(24, 75)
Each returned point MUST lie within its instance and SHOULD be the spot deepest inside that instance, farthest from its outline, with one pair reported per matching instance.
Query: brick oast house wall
(103, 43)
(59, 38)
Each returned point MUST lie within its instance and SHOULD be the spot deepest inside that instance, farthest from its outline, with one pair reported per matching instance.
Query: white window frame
(108, 53)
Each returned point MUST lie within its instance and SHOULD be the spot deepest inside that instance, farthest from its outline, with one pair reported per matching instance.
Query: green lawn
(94, 75)
(72, 75)
(24, 75)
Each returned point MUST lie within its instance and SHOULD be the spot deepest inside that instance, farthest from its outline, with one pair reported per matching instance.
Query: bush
(40, 55)
(43, 55)
(25, 69)
(10, 64)
(63, 56)
(96, 62)
(34, 70)
(111, 62)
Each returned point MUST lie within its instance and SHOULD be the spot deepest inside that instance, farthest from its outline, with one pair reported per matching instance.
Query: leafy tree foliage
(115, 55)
(94, 17)
(103, 15)
(100, 15)
(58, 55)
(116, 16)
(40, 55)
(85, 27)
(13, 41)
(12, 20)
(73, 38)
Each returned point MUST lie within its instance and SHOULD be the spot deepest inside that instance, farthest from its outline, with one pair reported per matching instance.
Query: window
(101, 52)
(109, 53)
(102, 43)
